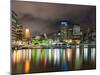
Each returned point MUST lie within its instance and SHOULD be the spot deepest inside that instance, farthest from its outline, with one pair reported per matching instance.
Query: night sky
(42, 17)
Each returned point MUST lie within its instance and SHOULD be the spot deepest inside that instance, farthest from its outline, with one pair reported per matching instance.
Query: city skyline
(42, 17)
(51, 37)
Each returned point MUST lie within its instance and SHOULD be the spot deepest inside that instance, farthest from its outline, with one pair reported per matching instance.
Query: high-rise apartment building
(13, 25)
(19, 32)
(66, 29)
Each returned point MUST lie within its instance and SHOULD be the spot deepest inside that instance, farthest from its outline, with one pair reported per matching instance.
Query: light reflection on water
(85, 54)
(78, 59)
(50, 55)
(29, 60)
(69, 54)
(93, 53)
(27, 65)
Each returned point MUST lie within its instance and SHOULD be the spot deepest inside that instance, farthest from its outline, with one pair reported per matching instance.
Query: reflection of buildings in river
(30, 54)
(33, 55)
(85, 54)
(78, 58)
(50, 55)
(38, 56)
(23, 55)
(26, 54)
(27, 65)
(61, 55)
(89, 57)
(18, 56)
(14, 57)
(58, 53)
(69, 55)
(45, 57)
(63, 58)
(41, 57)
(55, 56)
(73, 57)
(93, 55)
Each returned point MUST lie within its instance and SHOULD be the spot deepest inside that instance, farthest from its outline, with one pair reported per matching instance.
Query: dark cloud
(41, 17)
(27, 17)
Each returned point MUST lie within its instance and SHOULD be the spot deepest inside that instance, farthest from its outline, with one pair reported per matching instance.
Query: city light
(69, 54)
(85, 54)
(27, 30)
(78, 59)
(27, 66)
(45, 57)
(72, 41)
(50, 55)
(52, 44)
(18, 56)
(14, 57)
(55, 56)
(27, 33)
(38, 56)
(93, 54)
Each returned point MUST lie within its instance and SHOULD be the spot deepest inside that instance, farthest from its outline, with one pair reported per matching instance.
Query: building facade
(66, 29)
(13, 25)
(19, 32)
(76, 32)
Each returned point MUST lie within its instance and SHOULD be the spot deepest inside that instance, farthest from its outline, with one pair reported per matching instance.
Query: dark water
(53, 60)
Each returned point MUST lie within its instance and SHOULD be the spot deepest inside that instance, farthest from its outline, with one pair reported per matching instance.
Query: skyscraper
(76, 31)
(66, 29)
(13, 25)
